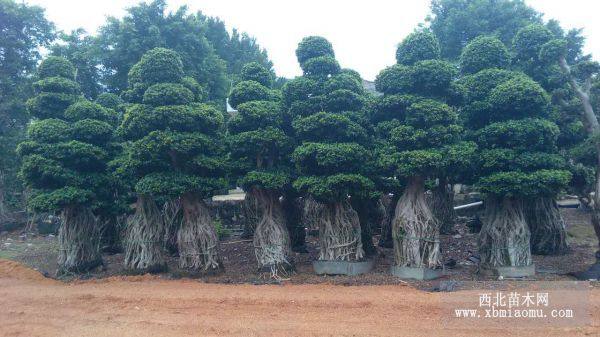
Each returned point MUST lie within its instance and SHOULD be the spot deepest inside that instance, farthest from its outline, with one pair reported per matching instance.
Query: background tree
(64, 162)
(421, 130)
(81, 50)
(24, 31)
(518, 160)
(259, 143)
(456, 22)
(326, 103)
(176, 152)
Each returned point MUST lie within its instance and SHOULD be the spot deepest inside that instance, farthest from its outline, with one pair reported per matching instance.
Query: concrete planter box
(524, 271)
(343, 267)
(416, 273)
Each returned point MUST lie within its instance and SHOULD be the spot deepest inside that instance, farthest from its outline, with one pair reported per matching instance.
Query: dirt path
(144, 306)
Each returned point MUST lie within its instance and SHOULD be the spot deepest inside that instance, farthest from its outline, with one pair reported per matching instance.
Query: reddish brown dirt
(146, 306)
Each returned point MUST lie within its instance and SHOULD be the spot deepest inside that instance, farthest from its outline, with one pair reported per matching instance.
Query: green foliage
(247, 91)
(418, 46)
(312, 47)
(254, 71)
(56, 84)
(528, 41)
(175, 141)
(110, 101)
(456, 22)
(167, 94)
(394, 80)
(84, 109)
(331, 156)
(518, 98)
(484, 52)
(55, 66)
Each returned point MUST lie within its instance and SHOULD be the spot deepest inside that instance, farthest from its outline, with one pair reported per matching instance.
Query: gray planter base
(416, 273)
(342, 267)
(524, 271)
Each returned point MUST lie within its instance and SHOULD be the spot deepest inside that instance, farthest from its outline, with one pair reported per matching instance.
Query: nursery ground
(39, 252)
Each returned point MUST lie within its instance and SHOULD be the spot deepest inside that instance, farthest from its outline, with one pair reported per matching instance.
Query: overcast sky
(364, 34)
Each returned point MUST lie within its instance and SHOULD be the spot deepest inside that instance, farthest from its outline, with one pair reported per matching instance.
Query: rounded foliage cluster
(158, 65)
(313, 46)
(528, 41)
(55, 66)
(418, 46)
(254, 71)
(483, 52)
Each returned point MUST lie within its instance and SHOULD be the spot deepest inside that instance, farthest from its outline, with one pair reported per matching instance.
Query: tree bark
(504, 237)
(172, 215)
(196, 239)
(442, 206)
(547, 227)
(251, 209)
(271, 237)
(415, 231)
(144, 238)
(79, 240)
(311, 212)
(339, 233)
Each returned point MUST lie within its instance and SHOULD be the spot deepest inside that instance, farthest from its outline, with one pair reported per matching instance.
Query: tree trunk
(79, 240)
(339, 233)
(442, 206)
(196, 239)
(292, 209)
(111, 235)
(388, 203)
(415, 231)
(547, 227)
(311, 212)
(144, 238)
(271, 236)
(504, 237)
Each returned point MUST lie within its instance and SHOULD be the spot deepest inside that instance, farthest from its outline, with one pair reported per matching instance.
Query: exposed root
(504, 236)
(414, 229)
(442, 206)
(79, 238)
(144, 238)
(197, 241)
(172, 218)
(548, 233)
(271, 236)
(311, 212)
(339, 233)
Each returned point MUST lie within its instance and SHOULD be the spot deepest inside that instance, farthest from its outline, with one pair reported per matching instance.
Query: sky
(364, 34)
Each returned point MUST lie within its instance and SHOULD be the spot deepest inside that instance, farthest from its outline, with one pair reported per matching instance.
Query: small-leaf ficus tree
(326, 103)
(65, 161)
(176, 151)
(261, 147)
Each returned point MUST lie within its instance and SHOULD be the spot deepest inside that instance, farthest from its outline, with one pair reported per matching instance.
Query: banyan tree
(517, 158)
(175, 152)
(420, 140)
(331, 156)
(260, 146)
(65, 161)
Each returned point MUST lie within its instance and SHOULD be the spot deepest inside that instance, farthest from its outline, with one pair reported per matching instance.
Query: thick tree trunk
(504, 237)
(415, 231)
(271, 236)
(442, 206)
(388, 203)
(196, 239)
(339, 233)
(79, 240)
(144, 238)
(547, 227)
(292, 209)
